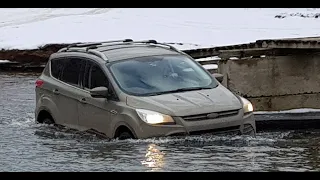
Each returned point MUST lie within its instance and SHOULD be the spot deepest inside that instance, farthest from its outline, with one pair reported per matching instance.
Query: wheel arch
(121, 125)
(44, 113)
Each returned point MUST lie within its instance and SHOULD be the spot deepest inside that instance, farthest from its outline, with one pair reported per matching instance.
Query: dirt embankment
(31, 57)
(33, 60)
(40, 56)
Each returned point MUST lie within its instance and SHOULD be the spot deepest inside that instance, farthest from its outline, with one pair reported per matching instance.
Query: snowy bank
(5, 61)
(29, 28)
(291, 111)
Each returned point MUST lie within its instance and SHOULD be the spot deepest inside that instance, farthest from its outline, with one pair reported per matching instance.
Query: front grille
(200, 117)
(226, 130)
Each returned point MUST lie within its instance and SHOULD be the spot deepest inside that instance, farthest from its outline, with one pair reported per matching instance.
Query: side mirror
(218, 76)
(99, 92)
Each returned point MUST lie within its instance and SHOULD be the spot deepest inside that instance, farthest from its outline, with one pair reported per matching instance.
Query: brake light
(39, 83)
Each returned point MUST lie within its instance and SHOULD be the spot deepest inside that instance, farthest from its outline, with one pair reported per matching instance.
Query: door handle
(83, 100)
(56, 92)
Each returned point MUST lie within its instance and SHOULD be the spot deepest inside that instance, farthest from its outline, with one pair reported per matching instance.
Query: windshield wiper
(180, 90)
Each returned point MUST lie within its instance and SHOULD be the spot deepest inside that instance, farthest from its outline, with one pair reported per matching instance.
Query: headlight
(152, 117)
(247, 106)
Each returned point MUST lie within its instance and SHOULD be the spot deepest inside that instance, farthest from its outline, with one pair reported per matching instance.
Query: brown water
(26, 146)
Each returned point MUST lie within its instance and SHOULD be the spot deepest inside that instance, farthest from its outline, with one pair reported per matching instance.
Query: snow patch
(29, 28)
(302, 110)
(5, 61)
(214, 58)
(210, 66)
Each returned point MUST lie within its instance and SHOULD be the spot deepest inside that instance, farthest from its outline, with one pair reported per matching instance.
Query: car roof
(123, 50)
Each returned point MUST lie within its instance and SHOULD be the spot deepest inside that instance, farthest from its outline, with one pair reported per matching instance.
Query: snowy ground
(302, 110)
(26, 28)
(4, 61)
(29, 28)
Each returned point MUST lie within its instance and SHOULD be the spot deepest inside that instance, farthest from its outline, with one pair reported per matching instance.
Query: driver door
(94, 113)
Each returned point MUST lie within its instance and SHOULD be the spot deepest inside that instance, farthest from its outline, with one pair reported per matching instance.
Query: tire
(47, 121)
(125, 135)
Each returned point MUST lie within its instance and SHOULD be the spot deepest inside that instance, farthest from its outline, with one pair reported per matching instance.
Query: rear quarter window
(56, 68)
(67, 70)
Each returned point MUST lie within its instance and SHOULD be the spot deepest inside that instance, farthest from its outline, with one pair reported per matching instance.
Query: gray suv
(136, 89)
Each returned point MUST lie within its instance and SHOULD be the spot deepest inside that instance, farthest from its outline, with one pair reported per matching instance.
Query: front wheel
(47, 121)
(125, 135)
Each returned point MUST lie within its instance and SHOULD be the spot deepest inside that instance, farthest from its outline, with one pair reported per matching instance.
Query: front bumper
(241, 124)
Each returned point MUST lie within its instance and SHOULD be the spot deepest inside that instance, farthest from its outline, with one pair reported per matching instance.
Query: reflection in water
(154, 158)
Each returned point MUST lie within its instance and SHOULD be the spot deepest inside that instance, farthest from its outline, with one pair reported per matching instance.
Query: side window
(95, 77)
(71, 71)
(56, 68)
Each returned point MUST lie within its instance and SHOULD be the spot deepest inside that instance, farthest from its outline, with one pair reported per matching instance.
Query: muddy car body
(131, 89)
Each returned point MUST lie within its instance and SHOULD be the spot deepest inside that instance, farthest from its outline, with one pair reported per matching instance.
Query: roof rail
(96, 43)
(89, 47)
(171, 47)
(155, 42)
(93, 46)
(98, 53)
(73, 49)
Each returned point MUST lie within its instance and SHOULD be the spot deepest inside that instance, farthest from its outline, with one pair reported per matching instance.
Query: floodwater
(26, 146)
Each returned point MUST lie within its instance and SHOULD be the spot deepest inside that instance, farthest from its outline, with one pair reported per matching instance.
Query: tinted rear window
(56, 68)
(67, 70)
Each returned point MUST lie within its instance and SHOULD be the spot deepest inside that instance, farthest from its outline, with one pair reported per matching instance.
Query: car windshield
(155, 75)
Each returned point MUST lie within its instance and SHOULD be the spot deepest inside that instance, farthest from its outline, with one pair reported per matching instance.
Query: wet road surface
(26, 146)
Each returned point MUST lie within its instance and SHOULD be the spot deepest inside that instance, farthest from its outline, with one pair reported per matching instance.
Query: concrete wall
(275, 82)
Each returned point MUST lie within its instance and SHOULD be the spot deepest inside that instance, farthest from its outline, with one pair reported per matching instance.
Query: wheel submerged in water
(125, 135)
(47, 121)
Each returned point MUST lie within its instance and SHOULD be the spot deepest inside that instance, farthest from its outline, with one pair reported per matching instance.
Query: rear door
(67, 88)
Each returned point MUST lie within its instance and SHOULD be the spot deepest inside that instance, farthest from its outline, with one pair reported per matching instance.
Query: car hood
(188, 103)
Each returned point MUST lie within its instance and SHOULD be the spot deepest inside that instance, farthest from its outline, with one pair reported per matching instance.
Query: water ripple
(26, 146)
